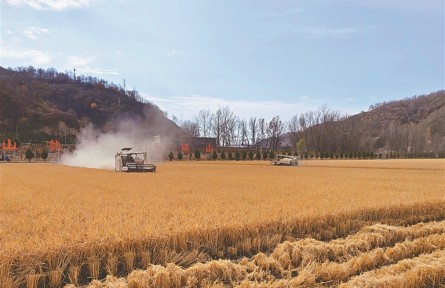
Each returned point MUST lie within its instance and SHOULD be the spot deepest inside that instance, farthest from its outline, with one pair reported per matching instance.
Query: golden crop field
(206, 223)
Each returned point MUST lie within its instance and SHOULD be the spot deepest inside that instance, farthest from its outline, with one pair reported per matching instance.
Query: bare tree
(321, 130)
(204, 122)
(216, 123)
(275, 129)
(294, 129)
(223, 126)
(242, 124)
(253, 129)
(228, 126)
(190, 128)
(418, 137)
(262, 131)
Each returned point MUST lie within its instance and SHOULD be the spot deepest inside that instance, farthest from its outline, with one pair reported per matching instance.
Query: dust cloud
(97, 150)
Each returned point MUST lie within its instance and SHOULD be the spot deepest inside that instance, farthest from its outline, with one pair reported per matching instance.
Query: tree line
(322, 131)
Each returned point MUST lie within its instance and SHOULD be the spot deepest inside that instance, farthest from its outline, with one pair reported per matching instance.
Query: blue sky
(260, 58)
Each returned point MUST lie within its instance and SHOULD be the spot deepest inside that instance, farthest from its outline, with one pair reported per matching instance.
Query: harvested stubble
(70, 219)
(306, 269)
(426, 270)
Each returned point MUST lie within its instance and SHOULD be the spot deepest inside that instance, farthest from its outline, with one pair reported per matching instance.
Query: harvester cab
(126, 161)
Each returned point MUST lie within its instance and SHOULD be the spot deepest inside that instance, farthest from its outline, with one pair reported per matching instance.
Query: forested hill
(414, 125)
(37, 104)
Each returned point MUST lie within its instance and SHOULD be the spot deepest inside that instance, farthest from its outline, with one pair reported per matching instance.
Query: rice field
(62, 225)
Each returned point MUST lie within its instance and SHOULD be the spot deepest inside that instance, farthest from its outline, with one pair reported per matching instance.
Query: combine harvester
(285, 160)
(126, 161)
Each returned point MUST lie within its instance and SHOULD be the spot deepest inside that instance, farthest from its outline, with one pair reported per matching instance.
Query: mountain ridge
(41, 104)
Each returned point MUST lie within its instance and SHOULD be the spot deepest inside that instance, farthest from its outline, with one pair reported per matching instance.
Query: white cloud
(186, 107)
(84, 64)
(174, 52)
(34, 32)
(78, 61)
(323, 32)
(50, 4)
(31, 57)
(99, 71)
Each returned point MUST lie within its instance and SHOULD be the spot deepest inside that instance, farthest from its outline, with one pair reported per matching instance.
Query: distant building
(195, 143)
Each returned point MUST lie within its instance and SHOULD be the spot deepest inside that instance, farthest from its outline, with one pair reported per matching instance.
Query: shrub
(258, 155)
(237, 155)
(244, 155)
(271, 155)
(265, 155)
(222, 155)
(230, 155)
(197, 155)
(214, 155)
(44, 154)
(29, 154)
(170, 156)
(180, 155)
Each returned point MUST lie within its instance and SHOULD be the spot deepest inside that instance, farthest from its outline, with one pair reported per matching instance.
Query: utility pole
(74, 74)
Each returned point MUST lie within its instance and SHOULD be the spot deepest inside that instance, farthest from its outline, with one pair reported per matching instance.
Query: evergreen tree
(179, 155)
(258, 155)
(29, 154)
(44, 154)
(264, 155)
(170, 156)
(197, 155)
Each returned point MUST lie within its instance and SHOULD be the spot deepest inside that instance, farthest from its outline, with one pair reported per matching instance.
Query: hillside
(37, 105)
(400, 125)
(413, 125)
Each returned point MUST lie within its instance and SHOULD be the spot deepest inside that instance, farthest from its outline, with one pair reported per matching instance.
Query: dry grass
(87, 223)
(420, 262)
(416, 164)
